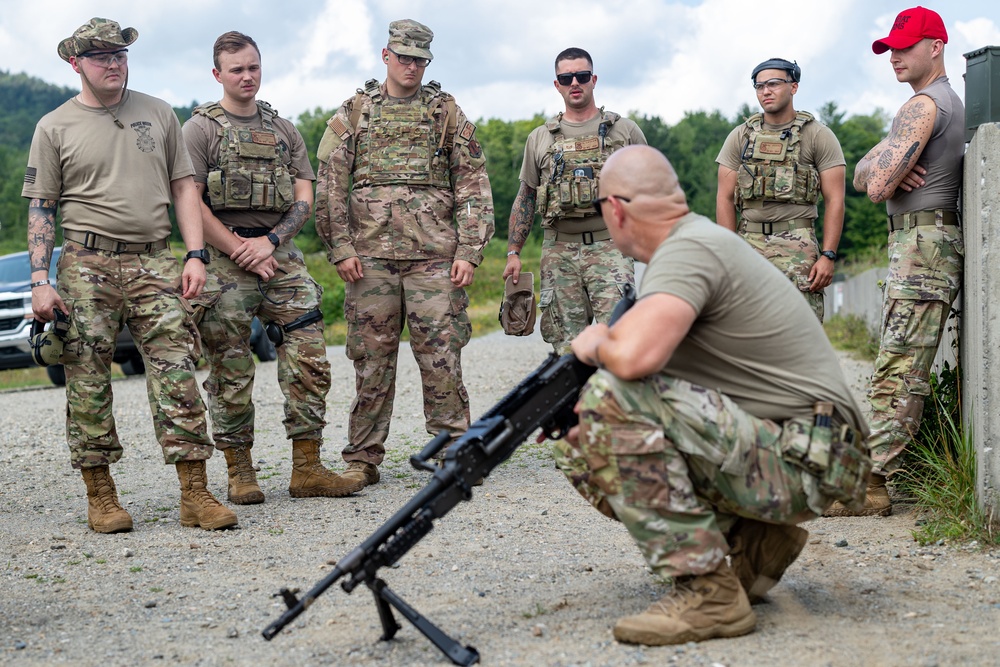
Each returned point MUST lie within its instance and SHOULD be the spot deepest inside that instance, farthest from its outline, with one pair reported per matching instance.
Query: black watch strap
(273, 238)
(197, 254)
(830, 255)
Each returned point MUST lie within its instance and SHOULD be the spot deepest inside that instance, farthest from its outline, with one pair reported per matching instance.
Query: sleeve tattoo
(41, 232)
(522, 216)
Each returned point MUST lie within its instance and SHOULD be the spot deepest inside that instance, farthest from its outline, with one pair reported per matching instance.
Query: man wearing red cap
(917, 172)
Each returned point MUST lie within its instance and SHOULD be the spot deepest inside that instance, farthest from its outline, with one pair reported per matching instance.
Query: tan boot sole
(252, 498)
(737, 628)
(326, 492)
(120, 526)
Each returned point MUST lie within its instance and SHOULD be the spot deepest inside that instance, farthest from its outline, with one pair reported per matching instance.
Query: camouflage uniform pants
(579, 282)
(925, 274)
(225, 310)
(677, 463)
(420, 294)
(793, 252)
(105, 291)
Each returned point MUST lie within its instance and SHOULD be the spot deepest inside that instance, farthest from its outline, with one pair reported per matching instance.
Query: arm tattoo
(901, 169)
(522, 216)
(885, 159)
(41, 232)
(291, 222)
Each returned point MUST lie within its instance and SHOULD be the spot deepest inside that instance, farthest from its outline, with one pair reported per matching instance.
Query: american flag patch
(29, 175)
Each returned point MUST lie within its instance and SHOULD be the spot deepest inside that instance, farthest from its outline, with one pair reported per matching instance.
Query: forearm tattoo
(291, 222)
(522, 216)
(41, 232)
(901, 169)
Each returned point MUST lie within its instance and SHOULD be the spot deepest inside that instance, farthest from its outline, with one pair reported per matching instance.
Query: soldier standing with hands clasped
(404, 207)
(254, 177)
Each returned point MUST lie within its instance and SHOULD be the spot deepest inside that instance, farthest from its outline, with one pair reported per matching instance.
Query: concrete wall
(981, 342)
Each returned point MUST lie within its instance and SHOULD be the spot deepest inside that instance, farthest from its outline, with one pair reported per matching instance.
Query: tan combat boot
(366, 473)
(104, 513)
(198, 506)
(243, 487)
(877, 501)
(761, 552)
(699, 608)
(311, 480)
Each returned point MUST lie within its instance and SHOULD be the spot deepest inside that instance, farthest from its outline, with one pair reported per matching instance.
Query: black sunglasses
(567, 78)
(600, 200)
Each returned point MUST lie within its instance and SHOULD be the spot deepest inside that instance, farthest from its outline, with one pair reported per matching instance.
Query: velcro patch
(29, 175)
(770, 147)
(587, 144)
(467, 131)
(266, 138)
(339, 126)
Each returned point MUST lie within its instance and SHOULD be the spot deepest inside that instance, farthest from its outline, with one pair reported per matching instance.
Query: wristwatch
(273, 238)
(830, 255)
(197, 254)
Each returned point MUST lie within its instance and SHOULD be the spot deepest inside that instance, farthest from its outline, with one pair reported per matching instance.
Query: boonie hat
(517, 311)
(97, 33)
(410, 38)
(911, 26)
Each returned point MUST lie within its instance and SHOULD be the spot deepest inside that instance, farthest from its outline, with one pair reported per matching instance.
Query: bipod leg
(458, 654)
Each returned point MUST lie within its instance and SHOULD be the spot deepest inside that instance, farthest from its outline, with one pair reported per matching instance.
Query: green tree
(503, 144)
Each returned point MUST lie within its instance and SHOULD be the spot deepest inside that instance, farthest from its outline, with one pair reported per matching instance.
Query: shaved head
(648, 195)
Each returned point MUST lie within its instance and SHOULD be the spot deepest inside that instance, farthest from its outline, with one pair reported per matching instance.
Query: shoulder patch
(338, 125)
(467, 132)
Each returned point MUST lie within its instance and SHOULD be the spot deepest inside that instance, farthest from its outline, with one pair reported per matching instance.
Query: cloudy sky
(657, 57)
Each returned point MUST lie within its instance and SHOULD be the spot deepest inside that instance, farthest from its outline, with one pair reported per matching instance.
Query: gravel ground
(527, 572)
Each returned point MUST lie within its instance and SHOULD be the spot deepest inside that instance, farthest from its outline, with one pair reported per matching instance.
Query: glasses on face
(770, 84)
(567, 78)
(105, 60)
(406, 61)
(601, 200)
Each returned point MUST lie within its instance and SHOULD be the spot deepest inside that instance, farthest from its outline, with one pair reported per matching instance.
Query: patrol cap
(517, 310)
(911, 26)
(410, 38)
(97, 33)
(793, 69)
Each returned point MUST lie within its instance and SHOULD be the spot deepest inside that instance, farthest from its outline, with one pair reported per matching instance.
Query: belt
(250, 232)
(92, 241)
(776, 227)
(586, 238)
(933, 218)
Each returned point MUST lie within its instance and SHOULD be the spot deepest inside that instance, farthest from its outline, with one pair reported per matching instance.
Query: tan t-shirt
(819, 148)
(754, 339)
(537, 162)
(107, 180)
(201, 134)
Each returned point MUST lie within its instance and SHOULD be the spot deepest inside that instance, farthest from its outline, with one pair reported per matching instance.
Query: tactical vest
(251, 172)
(399, 142)
(771, 171)
(569, 186)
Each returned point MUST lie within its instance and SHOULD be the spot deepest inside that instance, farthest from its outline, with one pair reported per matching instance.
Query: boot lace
(243, 469)
(104, 491)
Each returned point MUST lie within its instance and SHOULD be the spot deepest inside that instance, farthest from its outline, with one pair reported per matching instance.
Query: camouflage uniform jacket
(402, 220)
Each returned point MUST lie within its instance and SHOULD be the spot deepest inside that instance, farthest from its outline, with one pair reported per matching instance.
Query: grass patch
(940, 470)
(862, 259)
(852, 334)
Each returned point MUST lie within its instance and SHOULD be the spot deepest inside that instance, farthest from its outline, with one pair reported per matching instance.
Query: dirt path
(527, 572)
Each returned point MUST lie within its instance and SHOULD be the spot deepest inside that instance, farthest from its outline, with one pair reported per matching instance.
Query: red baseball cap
(911, 26)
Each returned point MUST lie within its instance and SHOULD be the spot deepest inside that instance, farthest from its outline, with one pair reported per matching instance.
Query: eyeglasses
(770, 84)
(567, 78)
(601, 200)
(105, 60)
(406, 61)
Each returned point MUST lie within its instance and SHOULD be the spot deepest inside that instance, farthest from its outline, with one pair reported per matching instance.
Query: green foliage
(940, 469)
(503, 143)
(25, 100)
(852, 334)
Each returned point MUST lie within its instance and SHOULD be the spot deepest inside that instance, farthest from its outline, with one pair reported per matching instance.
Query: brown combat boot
(877, 501)
(198, 506)
(366, 473)
(311, 480)
(243, 487)
(104, 513)
(761, 552)
(699, 608)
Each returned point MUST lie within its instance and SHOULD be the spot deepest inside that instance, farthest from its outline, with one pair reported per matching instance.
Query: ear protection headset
(793, 69)
(47, 345)
(276, 331)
